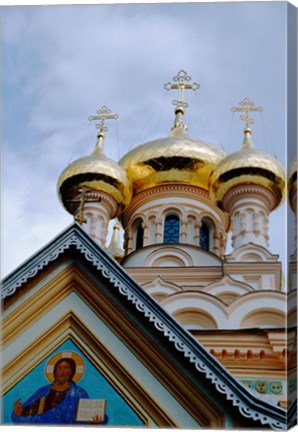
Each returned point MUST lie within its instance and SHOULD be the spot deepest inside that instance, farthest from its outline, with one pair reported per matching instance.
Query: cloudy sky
(61, 63)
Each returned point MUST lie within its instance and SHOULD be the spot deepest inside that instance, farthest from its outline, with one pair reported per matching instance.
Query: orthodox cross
(247, 106)
(80, 217)
(104, 113)
(182, 82)
(82, 200)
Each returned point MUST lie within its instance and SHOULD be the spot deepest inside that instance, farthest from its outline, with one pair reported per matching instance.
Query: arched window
(171, 229)
(139, 234)
(205, 236)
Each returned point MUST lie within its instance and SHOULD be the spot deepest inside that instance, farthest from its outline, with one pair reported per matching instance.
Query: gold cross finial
(181, 83)
(247, 106)
(80, 217)
(82, 200)
(104, 114)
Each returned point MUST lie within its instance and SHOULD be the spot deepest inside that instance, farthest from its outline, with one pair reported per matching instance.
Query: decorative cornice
(175, 187)
(74, 237)
(104, 198)
(166, 188)
(244, 190)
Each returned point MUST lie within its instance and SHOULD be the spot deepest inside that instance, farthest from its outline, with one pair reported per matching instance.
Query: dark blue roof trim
(249, 406)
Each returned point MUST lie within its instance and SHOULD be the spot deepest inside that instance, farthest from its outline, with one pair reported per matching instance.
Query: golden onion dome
(176, 158)
(292, 184)
(248, 166)
(95, 172)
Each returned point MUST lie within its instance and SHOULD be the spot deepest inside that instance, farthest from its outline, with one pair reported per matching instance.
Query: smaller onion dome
(96, 172)
(248, 166)
(292, 185)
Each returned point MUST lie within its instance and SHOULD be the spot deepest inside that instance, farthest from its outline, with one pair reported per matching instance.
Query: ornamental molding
(246, 191)
(175, 187)
(234, 391)
(167, 189)
(109, 202)
(94, 199)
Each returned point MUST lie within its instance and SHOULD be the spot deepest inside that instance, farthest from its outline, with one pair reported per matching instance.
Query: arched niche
(196, 319)
(264, 318)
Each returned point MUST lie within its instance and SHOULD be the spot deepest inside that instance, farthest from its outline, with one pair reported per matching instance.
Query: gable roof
(198, 361)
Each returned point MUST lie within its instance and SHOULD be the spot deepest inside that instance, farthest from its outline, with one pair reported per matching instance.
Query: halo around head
(79, 361)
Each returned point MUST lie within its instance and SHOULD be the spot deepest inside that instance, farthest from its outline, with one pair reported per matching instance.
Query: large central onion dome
(176, 158)
(248, 166)
(95, 172)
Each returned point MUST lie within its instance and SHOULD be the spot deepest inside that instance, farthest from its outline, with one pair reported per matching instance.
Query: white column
(249, 207)
(158, 231)
(216, 243)
(146, 235)
(100, 208)
(198, 225)
(128, 240)
(183, 230)
(222, 243)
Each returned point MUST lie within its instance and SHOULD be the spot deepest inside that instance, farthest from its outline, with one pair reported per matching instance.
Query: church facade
(166, 327)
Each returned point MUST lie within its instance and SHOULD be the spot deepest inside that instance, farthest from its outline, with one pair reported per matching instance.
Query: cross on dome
(80, 218)
(104, 113)
(247, 106)
(182, 82)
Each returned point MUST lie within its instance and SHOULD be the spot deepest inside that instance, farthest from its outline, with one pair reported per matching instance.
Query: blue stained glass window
(204, 236)
(171, 229)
